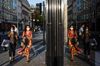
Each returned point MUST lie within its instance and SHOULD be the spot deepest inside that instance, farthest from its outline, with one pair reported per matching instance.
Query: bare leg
(72, 54)
(27, 55)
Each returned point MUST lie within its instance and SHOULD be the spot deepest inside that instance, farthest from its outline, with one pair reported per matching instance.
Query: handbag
(20, 51)
(5, 43)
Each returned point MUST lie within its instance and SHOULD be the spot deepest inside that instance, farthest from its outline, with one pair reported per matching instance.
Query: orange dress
(71, 46)
(29, 45)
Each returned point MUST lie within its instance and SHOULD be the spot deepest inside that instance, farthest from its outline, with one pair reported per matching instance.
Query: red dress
(70, 44)
(70, 36)
(29, 36)
(26, 49)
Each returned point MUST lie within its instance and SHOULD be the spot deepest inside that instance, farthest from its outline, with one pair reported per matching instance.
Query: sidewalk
(78, 60)
(97, 58)
(36, 61)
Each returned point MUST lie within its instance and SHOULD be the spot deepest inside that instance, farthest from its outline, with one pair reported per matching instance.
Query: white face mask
(71, 28)
(28, 29)
(12, 30)
(86, 29)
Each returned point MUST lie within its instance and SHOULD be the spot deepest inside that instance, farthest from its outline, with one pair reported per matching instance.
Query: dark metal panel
(55, 33)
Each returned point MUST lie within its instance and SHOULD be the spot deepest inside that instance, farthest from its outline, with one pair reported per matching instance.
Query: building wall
(12, 12)
(39, 7)
(26, 12)
(84, 12)
(19, 9)
(75, 10)
(97, 16)
(70, 11)
(1, 10)
(8, 14)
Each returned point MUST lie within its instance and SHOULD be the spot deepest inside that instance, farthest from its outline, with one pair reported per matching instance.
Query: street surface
(37, 55)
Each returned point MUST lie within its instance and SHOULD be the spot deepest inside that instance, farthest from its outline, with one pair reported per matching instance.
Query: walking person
(13, 37)
(87, 43)
(81, 30)
(26, 43)
(81, 35)
(72, 42)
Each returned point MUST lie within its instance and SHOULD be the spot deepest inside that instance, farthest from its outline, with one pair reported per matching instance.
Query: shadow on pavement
(4, 63)
(2, 50)
(34, 54)
(17, 59)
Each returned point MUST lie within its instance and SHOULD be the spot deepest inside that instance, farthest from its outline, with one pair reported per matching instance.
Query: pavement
(97, 58)
(35, 60)
(38, 53)
(78, 61)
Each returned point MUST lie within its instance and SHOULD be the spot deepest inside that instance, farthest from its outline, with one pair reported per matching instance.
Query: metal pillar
(55, 33)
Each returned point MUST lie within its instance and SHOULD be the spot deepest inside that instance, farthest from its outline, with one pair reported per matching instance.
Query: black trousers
(87, 48)
(12, 49)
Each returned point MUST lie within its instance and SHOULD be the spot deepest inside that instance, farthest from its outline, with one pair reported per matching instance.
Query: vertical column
(55, 33)
(65, 22)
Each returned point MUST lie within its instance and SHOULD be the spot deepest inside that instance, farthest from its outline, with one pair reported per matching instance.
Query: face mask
(86, 29)
(71, 28)
(28, 29)
(12, 30)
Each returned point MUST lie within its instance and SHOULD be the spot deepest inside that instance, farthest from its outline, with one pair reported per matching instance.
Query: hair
(26, 27)
(12, 27)
(73, 28)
